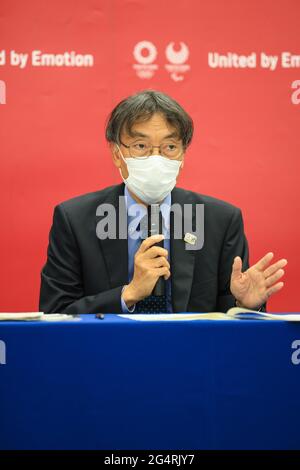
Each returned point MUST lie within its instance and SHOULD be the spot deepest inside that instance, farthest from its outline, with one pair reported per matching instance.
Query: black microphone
(155, 228)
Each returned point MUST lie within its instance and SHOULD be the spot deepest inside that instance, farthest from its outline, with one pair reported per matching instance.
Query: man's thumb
(237, 266)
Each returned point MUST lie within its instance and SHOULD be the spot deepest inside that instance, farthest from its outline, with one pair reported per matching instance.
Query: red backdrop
(246, 146)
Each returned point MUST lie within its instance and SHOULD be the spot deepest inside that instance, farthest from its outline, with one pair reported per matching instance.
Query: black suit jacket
(84, 274)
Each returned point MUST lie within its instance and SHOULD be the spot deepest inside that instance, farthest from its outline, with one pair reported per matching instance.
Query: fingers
(274, 267)
(155, 251)
(150, 251)
(263, 262)
(272, 273)
(164, 271)
(161, 261)
(272, 290)
(146, 244)
(274, 278)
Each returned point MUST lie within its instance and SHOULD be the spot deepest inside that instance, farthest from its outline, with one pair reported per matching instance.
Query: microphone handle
(159, 288)
(154, 228)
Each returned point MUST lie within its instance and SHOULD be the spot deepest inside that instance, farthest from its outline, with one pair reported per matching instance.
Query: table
(123, 384)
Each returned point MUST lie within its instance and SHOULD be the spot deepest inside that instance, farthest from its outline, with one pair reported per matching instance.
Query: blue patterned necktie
(152, 304)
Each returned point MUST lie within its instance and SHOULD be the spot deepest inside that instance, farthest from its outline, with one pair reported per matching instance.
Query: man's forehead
(147, 129)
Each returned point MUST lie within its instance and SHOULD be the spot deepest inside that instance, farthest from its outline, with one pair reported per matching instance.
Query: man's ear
(115, 154)
(182, 163)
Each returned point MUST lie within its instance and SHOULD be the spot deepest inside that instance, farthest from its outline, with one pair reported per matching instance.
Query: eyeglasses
(143, 149)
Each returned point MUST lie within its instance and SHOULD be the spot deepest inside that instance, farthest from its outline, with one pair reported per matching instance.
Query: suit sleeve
(61, 287)
(234, 244)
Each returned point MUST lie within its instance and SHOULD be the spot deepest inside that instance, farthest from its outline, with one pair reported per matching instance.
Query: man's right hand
(150, 262)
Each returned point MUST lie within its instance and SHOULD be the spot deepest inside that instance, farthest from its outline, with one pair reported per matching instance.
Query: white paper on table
(235, 313)
(36, 316)
(13, 316)
(176, 316)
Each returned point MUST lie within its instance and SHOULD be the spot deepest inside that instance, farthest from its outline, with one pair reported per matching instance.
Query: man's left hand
(253, 287)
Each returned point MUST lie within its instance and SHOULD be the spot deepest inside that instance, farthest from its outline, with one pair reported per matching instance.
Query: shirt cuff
(126, 309)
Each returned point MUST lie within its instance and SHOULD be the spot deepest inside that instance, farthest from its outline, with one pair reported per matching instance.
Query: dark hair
(141, 107)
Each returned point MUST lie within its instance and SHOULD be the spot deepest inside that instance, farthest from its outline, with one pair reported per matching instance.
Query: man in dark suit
(88, 271)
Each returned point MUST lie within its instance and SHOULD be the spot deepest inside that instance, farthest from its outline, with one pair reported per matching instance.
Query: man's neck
(138, 200)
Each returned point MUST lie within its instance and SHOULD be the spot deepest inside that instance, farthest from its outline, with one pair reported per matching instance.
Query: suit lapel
(115, 251)
(182, 260)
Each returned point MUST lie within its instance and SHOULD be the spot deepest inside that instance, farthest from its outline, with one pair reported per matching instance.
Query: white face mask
(151, 179)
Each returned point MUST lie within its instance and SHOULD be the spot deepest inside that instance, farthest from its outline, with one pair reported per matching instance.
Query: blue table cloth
(125, 384)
